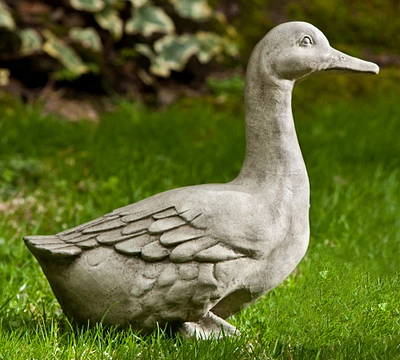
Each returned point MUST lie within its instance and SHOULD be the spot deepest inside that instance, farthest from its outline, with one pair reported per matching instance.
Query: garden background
(106, 102)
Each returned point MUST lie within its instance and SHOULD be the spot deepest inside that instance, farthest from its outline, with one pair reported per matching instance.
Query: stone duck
(192, 257)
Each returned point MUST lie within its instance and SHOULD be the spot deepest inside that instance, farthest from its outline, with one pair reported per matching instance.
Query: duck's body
(196, 255)
(182, 282)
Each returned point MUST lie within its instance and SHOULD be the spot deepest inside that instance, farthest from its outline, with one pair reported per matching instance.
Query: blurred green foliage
(354, 26)
(341, 303)
(356, 23)
(140, 42)
(93, 36)
(330, 87)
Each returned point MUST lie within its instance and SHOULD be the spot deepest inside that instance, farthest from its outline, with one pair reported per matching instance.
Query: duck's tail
(50, 247)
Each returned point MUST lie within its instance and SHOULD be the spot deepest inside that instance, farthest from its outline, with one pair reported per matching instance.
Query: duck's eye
(306, 41)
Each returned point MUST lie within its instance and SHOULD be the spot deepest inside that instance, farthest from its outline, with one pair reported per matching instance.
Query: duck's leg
(210, 326)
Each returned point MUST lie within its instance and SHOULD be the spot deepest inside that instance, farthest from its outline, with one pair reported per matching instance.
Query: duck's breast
(293, 214)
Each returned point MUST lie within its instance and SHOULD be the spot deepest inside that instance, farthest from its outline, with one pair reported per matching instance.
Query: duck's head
(294, 50)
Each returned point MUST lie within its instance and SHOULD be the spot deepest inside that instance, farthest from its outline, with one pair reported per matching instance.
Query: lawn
(343, 300)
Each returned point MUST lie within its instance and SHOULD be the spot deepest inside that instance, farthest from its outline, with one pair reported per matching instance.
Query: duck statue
(192, 257)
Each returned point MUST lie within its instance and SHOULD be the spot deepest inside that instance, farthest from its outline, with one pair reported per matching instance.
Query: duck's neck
(272, 147)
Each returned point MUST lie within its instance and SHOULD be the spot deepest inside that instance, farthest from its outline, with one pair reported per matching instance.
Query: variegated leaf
(145, 50)
(110, 2)
(109, 20)
(87, 37)
(56, 48)
(4, 76)
(6, 20)
(88, 5)
(173, 53)
(210, 45)
(145, 77)
(192, 9)
(138, 3)
(149, 19)
(157, 67)
(230, 47)
(31, 41)
(160, 68)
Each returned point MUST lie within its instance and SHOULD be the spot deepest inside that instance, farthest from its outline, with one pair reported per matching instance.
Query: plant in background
(89, 36)
(4, 75)
(119, 42)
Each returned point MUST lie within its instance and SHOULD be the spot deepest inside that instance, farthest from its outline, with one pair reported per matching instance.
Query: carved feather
(79, 228)
(217, 253)
(88, 244)
(187, 251)
(166, 224)
(154, 251)
(180, 235)
(165, 213)
(154, 237)
(134, 245)
(104, 226)
(77, 238)
(51, 246)
(112, 237)
(137, 226)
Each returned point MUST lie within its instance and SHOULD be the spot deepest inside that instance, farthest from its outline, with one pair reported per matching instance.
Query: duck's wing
(163, 233)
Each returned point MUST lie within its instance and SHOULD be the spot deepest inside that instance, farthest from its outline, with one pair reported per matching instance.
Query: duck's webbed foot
(210, 326)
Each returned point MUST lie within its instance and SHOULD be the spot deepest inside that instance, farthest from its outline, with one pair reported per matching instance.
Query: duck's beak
(345, 63)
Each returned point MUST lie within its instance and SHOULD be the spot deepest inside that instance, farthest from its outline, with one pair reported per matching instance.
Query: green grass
(342, 302)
